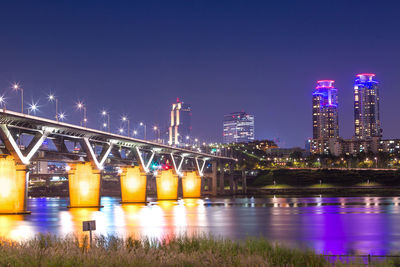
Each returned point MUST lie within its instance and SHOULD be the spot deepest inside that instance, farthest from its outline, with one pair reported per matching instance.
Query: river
(337, 225)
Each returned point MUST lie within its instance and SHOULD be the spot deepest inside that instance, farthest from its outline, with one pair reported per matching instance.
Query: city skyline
(135, 59)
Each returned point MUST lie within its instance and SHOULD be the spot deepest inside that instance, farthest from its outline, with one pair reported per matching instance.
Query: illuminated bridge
(88, 152)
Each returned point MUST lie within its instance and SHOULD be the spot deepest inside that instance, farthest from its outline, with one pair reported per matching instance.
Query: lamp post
(52, 98)
(144, 125)
(106, 114)
(16, 87)
(156, 129)
(134, 132)
(125, 119)
(376, 162)
(81, 106)
(3, 102)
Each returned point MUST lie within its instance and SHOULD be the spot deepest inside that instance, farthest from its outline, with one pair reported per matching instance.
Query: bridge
(88, 152)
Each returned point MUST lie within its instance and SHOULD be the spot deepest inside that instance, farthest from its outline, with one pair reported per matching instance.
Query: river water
(337, 225)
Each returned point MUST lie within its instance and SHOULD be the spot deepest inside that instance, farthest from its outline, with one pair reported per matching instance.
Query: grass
(47, 250)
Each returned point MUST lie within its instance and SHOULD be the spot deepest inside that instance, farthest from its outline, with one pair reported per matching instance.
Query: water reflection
(331, 225)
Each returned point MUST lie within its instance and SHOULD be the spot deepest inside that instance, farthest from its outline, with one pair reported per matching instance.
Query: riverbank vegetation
(46, 250)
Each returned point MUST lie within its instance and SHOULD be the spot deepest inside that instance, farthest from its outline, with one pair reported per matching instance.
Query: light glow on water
(362, 225)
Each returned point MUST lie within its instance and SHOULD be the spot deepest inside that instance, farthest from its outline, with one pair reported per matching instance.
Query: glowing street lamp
(52, 98)
(61, 116)
(33, 107)
(104, 114)
(125, 119)
(16, 87)
(81, 106)
(134, 132)
(121, 130)
(156, 129)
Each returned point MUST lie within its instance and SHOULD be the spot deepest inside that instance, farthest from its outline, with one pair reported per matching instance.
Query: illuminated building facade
(238, 128)
(366, 107)
(180, 123)
(325, 111)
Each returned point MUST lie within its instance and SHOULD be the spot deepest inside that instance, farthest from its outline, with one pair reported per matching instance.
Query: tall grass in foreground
(46, 250)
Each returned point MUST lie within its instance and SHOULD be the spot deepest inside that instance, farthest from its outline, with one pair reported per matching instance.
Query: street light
(33, 107)
(81, 106)
(156, 129)
(3, 101)
(121, 130)
(61, 116)
(104, 114)
(134, 132)
(16, 87)
(125, 119)
(52, 98)
(376, 162)
(144, 125)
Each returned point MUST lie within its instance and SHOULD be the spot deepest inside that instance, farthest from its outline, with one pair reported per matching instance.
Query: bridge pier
(167, 185)
(13, 186)
(84, 186)
(214, 168)
(133, 185)
(221, 179)
(191, 185)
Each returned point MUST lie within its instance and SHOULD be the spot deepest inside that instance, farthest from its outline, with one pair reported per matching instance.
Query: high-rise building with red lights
(367, 123)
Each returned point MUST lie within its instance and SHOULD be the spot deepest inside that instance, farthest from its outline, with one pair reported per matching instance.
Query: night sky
(263, 57)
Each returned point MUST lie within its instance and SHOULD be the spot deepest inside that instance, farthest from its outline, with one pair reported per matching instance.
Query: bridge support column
(167, 185)
(244, 183)
(191, 185)
(221, 179)
(84, 186)
(133, 185)
(13, 186)
(214, 166)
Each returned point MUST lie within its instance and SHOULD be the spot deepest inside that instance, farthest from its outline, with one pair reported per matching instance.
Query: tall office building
(366, 107)
(238, 128)
(325, 111)
(180, 123)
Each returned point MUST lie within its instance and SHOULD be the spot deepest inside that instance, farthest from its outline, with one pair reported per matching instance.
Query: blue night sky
(263, 57)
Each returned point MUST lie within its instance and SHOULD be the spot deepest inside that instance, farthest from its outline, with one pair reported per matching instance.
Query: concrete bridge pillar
(191, 185)
(84, 186)
(167, 185)
(13, 186)
(214, 168)
(221, 179)
(133, 185)
(244, 183)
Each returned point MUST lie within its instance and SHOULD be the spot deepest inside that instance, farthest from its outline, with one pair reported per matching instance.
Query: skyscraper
(238, 128)
(366, 107)
(325, 111)
(180, 123)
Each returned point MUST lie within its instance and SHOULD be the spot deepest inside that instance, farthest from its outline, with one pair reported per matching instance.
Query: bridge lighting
(61, 116)
(16, 87)
(33, 107)
(80, 106)
(125, 119)
(52, 98)
(2, 100)
(104, 113)
(134, 132)
(121, 130)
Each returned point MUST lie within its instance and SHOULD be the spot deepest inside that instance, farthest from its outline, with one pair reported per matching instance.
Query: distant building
(238, 128)
(325, 110)
(263, 144)
(180, 123)
(367, 123)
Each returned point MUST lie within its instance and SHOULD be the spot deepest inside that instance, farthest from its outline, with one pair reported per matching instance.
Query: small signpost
(89, 226)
